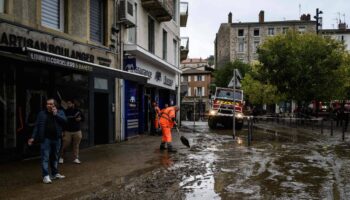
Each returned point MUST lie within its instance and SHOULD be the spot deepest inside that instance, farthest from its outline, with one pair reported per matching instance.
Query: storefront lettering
(12, 40)
(158, 76)
(58, 61)
(143, 72)
(168, 81)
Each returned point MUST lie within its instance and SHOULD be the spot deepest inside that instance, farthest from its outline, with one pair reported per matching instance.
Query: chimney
(230, 18)
(261, 16)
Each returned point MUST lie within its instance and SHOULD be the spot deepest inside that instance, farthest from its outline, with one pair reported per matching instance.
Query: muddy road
(282, 164)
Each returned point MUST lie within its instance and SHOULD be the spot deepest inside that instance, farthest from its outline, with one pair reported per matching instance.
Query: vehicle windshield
(227, 94)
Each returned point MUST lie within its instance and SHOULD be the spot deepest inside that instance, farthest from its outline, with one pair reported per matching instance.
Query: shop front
(37, 66)
(138, 98)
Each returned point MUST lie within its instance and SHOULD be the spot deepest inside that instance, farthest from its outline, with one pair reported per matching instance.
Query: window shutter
(189, 91)
(50, 13)
(203, 77)
(96, 20)
(189, 78)
(195, 78)
(203, 91)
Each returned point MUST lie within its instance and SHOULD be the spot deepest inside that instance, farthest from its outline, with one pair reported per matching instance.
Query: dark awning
(35, 55)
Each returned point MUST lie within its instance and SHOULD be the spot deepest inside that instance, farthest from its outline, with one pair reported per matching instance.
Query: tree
(210, 60)
(305, 67)
(223, 74)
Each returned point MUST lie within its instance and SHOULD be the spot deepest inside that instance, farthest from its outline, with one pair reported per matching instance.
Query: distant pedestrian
(167, 122)
(48, 131)
(72, 133)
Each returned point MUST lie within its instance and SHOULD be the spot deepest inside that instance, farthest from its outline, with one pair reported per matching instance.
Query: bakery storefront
(160, 87)
(36, 66)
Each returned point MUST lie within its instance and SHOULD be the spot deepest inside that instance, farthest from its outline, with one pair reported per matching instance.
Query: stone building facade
(239, 41)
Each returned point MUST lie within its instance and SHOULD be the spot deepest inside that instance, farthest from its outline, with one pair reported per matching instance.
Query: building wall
(227, 39)
(344, 37)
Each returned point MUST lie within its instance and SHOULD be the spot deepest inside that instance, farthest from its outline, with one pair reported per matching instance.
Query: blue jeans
(50, 154)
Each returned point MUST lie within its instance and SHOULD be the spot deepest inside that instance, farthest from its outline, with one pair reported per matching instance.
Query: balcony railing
(183, 13)
(184, 48)
(161, 10)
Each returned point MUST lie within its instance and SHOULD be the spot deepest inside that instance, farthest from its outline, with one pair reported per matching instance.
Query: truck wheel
(239, 126)
(212, 124)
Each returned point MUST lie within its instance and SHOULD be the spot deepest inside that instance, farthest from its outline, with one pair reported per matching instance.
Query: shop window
(97, 21)
(52, 14)
(151, 35)
(165, 45)
(101, 83)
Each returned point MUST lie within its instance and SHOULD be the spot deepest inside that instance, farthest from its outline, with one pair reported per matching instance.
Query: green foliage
(258, 92)
(305, 67)
(210, 60)
(224, 74)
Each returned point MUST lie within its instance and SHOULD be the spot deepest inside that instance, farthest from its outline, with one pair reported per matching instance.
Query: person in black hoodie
(72, 133)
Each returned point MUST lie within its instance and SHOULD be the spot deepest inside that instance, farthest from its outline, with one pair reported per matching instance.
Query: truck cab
(223, 103)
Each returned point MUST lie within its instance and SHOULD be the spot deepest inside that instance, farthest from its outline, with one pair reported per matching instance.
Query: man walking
(72, 133)
(167, 122)
(48, 131)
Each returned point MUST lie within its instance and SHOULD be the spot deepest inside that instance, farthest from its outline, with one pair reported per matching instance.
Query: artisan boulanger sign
(54, 60)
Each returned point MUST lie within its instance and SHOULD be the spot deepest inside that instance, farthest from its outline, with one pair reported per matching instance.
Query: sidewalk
(103, 165)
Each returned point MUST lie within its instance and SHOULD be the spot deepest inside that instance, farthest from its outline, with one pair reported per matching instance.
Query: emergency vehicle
(221, 111)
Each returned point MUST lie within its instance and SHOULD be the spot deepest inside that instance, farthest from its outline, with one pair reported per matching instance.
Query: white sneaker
(61, 161)
(58, 176)
(47, 180)
(76, 161)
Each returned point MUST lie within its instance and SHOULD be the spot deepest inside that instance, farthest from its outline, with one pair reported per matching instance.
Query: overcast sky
(205, 17)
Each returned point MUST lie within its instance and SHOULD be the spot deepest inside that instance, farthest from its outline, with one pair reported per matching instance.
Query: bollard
(249, 130)
(331, 127)
(343, 130)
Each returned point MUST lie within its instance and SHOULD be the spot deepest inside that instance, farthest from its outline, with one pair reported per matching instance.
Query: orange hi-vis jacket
(166, 122)
(166, 117)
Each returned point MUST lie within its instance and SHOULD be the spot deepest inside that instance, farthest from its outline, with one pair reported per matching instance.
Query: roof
(195, 71)
(273, 23)
(194, 60)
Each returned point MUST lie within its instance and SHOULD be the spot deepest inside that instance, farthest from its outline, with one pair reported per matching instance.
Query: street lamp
(318, 19)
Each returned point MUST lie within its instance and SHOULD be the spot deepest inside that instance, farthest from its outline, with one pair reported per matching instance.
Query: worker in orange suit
(157, 115)
(167, 122)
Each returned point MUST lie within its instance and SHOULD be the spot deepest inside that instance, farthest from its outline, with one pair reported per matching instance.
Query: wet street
(281, 163)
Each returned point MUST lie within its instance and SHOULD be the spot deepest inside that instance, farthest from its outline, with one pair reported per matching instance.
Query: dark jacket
(71, 114)
(39, 129)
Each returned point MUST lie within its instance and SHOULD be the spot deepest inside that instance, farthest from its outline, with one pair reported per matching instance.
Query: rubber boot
(162, 146)
(171, 149)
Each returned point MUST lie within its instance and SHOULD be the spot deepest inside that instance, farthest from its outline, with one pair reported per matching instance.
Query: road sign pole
(234, 104)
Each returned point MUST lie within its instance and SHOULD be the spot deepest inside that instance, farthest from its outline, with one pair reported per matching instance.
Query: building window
(150, 35)
(256, 45)
(2, 6)
(52, 14)
(301, 29)
(241, 47)
(96, 21)
(199, 77)
(240, 32)
(185, 78)
(285, 30)
(271, 31)
(131, 31)
(256, 32)
(199, 91)
(176, 53)
(165, 45)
